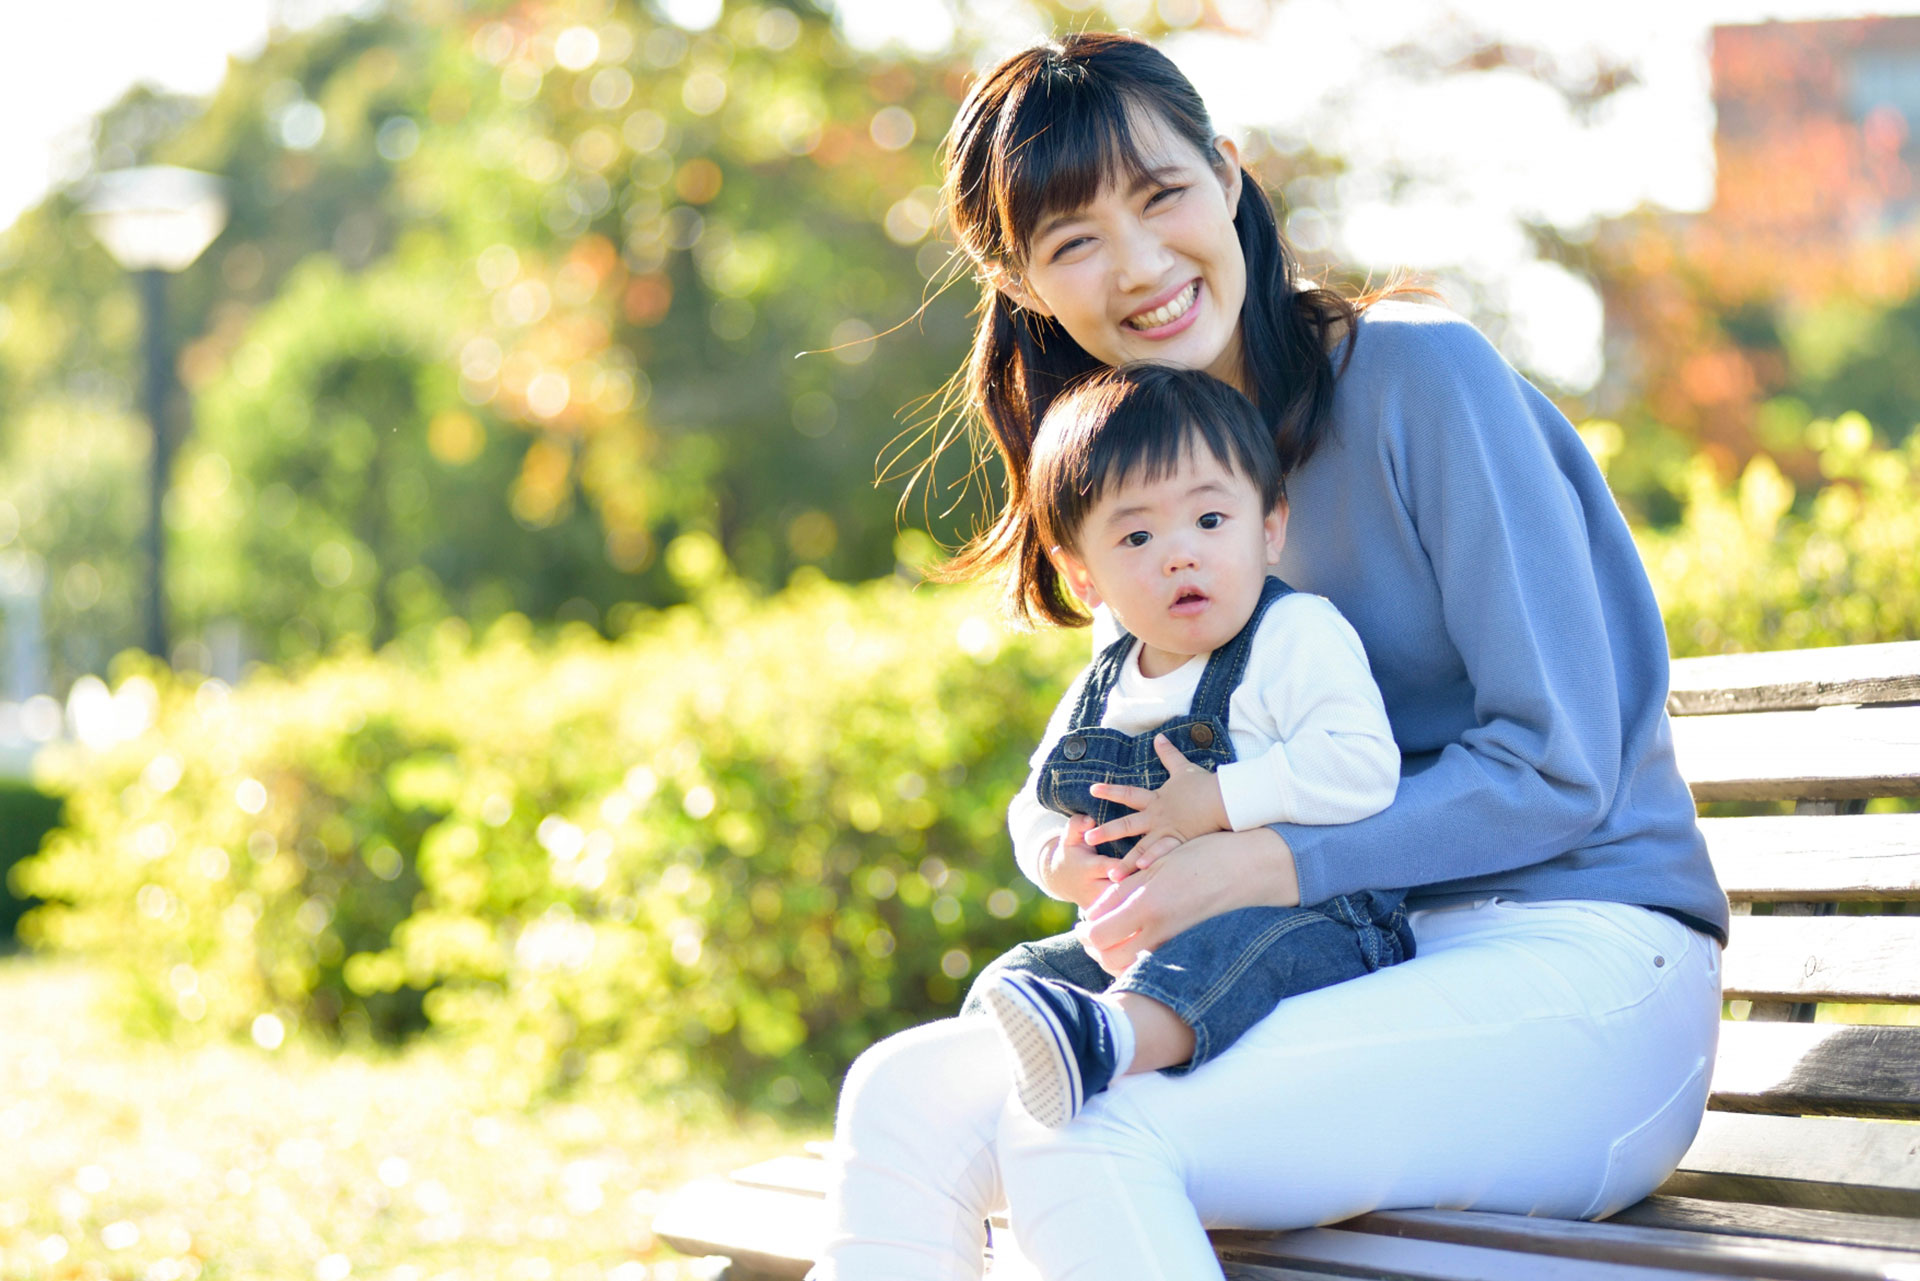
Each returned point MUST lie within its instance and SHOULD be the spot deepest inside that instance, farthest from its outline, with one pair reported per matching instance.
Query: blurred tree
(511, 296)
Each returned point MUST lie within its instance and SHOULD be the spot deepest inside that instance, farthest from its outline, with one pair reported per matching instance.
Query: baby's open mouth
(1188, 599)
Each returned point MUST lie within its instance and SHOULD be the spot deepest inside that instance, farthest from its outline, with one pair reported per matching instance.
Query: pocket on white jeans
(1642, 1158)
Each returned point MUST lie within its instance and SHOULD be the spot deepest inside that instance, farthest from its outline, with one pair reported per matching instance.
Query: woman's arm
(1502, 520)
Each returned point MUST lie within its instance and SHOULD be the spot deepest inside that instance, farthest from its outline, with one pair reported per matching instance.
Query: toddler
(1230, 701)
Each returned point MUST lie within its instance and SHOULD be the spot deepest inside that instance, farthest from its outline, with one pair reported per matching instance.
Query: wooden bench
(1808, 1162)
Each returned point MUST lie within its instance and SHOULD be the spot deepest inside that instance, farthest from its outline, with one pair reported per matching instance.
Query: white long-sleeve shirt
(1310, 734)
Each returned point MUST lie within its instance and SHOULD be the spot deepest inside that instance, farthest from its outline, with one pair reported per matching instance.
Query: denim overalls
(1227, 973)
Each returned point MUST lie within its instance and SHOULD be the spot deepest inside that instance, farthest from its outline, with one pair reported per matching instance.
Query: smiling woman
(1545, 1050)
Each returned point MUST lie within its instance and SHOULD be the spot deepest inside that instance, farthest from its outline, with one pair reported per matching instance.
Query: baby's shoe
(1063, 1043)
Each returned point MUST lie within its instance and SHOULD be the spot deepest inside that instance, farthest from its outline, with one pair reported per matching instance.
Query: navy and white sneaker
(1062, 1043)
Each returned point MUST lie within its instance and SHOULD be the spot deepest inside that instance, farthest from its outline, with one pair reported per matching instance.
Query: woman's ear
(1229, 155)
(1014, 286)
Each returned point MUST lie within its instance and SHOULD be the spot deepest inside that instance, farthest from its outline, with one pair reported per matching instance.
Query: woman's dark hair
(1135, 422)
(1046, 130)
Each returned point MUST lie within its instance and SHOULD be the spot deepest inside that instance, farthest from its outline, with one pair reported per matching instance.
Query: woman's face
(1150, 274)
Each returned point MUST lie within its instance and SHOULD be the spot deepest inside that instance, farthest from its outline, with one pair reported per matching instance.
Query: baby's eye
(1212, 520)
(1138, 538)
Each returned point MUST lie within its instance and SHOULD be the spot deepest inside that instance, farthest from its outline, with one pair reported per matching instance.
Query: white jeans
(1534, 1058)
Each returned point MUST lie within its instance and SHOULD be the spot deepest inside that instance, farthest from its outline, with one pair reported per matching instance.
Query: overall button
(1202, 736)
(1074, 748)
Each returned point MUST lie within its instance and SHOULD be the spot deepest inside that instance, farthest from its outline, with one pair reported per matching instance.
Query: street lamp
(155, 220)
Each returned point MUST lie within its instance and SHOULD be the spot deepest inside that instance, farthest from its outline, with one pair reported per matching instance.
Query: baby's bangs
(1060, 144)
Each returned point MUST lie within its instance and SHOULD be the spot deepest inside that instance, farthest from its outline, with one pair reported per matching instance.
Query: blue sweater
(1456, 519)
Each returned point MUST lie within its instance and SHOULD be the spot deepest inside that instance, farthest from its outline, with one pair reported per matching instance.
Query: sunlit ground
(125, 1159)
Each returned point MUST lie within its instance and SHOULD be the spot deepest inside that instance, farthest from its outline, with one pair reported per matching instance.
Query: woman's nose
(1143, 258)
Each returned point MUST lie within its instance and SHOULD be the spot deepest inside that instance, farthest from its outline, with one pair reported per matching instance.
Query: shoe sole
(1046, 1079)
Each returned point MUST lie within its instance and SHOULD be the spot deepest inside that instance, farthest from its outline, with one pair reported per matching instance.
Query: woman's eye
(1138, 538)
(1066, 247)
(1212, 520)
(1163, 195)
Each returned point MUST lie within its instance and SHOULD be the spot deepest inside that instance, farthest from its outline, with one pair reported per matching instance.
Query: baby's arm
(1050, 847)
(1052, 850)
(1333, 758)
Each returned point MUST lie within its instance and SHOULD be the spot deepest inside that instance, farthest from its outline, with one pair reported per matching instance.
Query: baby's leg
(1060, 958)
(1225, 974)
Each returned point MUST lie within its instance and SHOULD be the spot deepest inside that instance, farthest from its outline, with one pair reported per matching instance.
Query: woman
(1546, 1051)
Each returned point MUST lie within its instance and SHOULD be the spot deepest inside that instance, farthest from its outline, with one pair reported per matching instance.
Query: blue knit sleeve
(1496, 500)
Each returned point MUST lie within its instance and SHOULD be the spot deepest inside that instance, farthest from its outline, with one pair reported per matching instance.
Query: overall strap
(1228, 664)
(1101, 676)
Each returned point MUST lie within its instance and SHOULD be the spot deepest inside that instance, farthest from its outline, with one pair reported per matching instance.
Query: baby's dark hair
(1118, 424)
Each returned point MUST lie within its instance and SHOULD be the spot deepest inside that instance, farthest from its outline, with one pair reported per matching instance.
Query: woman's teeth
(1169, 313)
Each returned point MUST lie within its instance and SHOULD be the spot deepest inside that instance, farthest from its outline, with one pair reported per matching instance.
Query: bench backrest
(1818, 1078)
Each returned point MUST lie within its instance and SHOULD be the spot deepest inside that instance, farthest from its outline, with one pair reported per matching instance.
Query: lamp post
(156, 220)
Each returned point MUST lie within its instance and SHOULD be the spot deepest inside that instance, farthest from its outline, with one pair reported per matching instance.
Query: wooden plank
(1793, 857)
(775, 1234)
(1823, 958)
(1833, 1227)
(1626, 1244)
(1369, 1255)
(1817, 1163)
(1829, 754)
(1793, 678)
(805, 1175)
(1818, 1069)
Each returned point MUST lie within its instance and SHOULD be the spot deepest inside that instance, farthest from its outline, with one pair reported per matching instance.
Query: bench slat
(767, 1233)
(1817, 1163)
(1824, 958)
(1364, 1254)
(1798, 857)
(1835, 1227)
(1792, 678)
(1818, 1069)
(1757, 1257)
(1831, 754)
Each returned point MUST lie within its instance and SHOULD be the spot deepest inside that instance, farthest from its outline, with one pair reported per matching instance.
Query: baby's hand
(1187, 805)
(1071, 870)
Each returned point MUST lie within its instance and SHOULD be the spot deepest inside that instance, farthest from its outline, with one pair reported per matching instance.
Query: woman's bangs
(1068, 140)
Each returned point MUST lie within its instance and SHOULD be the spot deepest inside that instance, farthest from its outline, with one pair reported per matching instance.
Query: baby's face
(1179, 560)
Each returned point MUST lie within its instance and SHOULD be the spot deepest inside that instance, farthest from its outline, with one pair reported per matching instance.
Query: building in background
(1795, 296)
(1818, 130)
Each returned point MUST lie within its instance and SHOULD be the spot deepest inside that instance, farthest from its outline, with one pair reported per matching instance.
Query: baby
(1229, 702)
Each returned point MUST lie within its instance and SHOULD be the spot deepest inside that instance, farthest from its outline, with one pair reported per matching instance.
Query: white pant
(1533, 1058)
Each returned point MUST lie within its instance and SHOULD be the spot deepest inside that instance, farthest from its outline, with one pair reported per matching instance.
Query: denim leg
(1059, 957)
(1226, 974)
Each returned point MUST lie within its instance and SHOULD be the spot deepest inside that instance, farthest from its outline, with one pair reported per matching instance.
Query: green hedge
(27, 814)
(730, 849)
(1756, 565)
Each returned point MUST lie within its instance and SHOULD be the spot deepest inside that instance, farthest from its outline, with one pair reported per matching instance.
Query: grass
(140, 1161)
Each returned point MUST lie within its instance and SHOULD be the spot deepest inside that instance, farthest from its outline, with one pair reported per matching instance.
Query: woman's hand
(1212, 874)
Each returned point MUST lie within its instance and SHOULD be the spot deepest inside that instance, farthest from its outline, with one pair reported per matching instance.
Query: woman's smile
(1158, 320)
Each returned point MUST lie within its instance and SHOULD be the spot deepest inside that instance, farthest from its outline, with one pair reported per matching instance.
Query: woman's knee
(949, 1068)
